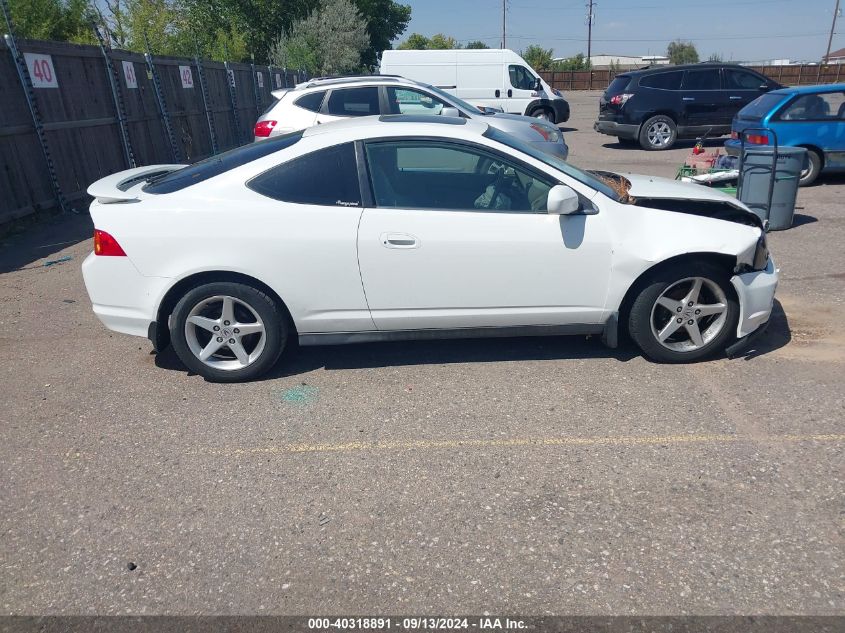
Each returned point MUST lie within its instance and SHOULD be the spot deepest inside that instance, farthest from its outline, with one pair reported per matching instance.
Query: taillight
(105, 244)
(758, 139)
(734, 135)
(546, 134)
(263, 128)
(620, 99)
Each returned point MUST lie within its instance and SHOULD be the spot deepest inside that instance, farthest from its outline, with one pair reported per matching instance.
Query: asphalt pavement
(524, 476)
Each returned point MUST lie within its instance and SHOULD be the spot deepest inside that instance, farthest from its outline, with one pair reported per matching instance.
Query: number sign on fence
(41, 70)
(260, 77)
(187, 76)
(129, 75)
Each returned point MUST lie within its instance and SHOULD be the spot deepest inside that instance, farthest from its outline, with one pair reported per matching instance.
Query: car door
(458, 236)
(703, 103)
(742, 87)
(520, 84)
(816, 119)
(342, 103)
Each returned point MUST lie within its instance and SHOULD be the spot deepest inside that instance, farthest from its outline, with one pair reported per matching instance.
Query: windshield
(458, 102)
(553, 161)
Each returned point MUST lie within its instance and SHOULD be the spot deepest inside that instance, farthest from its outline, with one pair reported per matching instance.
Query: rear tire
(228, 332)
(673, 322)
(814, 167)
(658, 133)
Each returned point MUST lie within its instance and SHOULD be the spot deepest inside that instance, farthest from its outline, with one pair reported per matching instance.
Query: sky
(742, 30)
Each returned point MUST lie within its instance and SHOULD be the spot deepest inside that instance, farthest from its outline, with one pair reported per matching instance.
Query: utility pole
(832, 26)
(504, 15)
(590, 18)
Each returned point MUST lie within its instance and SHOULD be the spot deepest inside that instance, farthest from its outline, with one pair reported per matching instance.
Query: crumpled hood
(654, 188)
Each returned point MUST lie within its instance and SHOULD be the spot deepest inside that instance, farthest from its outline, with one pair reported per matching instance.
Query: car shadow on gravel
(18, 251)
(301, 360)
(680, 144)
(777, 335)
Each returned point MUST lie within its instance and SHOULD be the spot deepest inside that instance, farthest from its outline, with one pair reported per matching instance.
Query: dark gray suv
(656, 106)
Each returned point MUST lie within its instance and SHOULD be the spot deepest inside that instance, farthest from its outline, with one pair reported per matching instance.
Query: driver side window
(448, 176)
(521, 78)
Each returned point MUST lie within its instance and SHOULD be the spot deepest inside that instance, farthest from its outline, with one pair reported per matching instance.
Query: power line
(832, 26)
(698, 37)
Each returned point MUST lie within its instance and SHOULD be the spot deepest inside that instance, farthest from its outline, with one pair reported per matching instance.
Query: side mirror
(538, 84)
(450, 112)
(562, 200)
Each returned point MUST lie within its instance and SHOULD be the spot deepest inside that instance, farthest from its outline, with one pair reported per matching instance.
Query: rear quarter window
(312, 101)
(216, 165)
(663, 81)
(325, 177)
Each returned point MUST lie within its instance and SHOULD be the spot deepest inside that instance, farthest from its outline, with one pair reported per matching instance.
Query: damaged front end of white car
(690, 306)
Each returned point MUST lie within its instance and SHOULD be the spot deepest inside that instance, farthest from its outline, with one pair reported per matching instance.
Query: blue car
(806, 116)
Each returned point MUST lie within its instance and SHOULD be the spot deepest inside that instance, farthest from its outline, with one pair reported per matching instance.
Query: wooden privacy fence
(805, 74)
(162, 110)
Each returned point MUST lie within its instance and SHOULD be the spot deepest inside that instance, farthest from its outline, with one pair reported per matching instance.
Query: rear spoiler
(115, 188)
(280, 93)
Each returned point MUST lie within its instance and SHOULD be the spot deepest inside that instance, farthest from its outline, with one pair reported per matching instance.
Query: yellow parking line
(350, 447)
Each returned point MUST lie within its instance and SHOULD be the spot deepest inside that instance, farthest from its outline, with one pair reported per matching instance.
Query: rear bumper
(121, 297)
(756, 293)
(732, 147)
(612, 128)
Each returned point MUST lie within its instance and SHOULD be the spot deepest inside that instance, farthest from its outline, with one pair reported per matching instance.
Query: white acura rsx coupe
(407, 227)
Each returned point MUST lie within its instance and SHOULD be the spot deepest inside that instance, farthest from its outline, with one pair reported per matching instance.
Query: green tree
(538, 58)
(330, 40)
(66, 20)
(680, 52)
(578, 62)
(415, 42)
(386, 20)
(438, 41)
(477, 44)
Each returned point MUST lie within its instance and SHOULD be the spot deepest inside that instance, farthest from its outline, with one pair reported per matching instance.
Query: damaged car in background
(403, 227)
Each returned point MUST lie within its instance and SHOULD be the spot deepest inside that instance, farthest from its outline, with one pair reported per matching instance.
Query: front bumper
(612, 128)
(756, 294)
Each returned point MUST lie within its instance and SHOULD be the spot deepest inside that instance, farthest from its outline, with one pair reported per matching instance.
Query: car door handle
(510, 93)
(689, 98)
(736, 98)
(399, 240)
(498, 93)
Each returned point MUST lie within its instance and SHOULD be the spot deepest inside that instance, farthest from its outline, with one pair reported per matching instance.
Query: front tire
(228, 332)
(684, 314)
(658, 133)
(814, 167)
(543, 113)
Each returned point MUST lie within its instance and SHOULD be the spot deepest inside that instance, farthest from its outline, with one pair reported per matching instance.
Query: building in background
(625, 62)
(836, 57)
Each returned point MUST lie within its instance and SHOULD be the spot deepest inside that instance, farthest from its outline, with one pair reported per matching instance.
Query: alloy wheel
(659, 134)
(689, 314)
(225, 333)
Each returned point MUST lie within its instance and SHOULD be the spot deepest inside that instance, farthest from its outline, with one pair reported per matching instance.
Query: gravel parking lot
(525, 476)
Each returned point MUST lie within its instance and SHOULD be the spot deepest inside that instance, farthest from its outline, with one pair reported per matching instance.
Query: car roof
(801, 90)
(401, 125)
(667, 67)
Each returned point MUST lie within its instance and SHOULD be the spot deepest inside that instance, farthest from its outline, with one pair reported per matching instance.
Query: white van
(497, 78)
